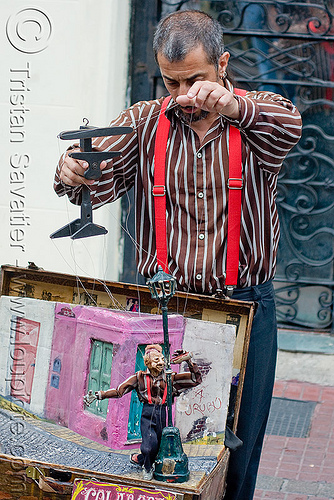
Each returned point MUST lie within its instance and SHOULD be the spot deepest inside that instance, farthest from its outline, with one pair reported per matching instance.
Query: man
(151, 387)
(189, 50)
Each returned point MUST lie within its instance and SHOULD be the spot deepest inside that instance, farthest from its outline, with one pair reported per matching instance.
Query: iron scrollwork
(293, 301)
(276, 17)
(287, 46)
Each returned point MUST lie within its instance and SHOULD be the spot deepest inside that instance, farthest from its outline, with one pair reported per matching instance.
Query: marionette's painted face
(155, 362)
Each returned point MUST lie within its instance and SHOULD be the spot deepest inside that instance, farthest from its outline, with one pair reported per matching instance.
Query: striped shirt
(138, 382)
(196, 188)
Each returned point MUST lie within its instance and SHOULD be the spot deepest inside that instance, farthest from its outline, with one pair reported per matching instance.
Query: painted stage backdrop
(53, 353)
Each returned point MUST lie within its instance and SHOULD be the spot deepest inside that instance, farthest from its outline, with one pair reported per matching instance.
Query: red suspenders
(149, 396)
(159, 189)
(234, 185)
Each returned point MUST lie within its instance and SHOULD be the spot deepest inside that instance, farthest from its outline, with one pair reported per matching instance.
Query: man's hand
(89, 398)
(211, 97)
(72, 171)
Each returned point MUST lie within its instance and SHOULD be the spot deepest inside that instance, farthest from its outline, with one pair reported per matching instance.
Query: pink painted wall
(71, 345)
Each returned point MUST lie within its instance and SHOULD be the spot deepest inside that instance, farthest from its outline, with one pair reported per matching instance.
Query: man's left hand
(211, 97)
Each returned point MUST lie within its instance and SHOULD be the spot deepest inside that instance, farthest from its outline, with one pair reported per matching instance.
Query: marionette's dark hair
(182, 31)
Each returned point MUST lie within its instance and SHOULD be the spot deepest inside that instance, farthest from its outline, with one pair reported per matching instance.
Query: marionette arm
(186, 379)
(127, 386)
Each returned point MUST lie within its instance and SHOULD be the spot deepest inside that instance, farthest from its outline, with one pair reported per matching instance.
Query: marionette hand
(212, 97)
(72, 171)
(90, 397)
(180, 355)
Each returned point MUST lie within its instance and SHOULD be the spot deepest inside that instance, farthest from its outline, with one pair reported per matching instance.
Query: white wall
(42, 312)
(61, 60)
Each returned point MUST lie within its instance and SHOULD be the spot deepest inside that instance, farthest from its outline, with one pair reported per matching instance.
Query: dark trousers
(153, 420)
(256, 395)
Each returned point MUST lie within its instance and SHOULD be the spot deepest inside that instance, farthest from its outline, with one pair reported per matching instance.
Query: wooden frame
(39, 284)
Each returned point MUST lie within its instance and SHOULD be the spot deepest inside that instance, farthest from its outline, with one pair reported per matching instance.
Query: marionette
(151, 387)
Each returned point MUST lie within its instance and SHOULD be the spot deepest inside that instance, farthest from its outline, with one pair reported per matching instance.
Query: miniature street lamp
(171, 464)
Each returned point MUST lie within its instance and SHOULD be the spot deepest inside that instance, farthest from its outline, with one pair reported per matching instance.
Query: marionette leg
(256, 395)
(153, 420)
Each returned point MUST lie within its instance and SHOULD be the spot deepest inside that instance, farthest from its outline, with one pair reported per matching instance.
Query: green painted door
(100, 374)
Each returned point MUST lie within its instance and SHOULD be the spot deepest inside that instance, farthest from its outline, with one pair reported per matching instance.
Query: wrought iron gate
(284, 46)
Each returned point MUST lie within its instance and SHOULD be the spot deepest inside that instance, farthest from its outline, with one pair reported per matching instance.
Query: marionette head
(154, 359)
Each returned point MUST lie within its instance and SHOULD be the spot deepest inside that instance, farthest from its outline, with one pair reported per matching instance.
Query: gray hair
(182, 31)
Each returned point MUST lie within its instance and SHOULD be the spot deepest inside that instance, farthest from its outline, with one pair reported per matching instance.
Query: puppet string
(126, 230)
(76, 265)
(134, 242)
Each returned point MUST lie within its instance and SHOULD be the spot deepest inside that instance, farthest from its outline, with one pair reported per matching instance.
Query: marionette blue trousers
(152, 422)
(257, 392)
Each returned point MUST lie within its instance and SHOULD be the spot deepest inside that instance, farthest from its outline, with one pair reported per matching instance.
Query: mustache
(191, 117)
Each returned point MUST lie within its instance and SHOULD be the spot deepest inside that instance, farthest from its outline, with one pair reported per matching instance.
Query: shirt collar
(158, 377)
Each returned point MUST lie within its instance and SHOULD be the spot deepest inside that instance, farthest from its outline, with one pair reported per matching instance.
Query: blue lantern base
(171, 464)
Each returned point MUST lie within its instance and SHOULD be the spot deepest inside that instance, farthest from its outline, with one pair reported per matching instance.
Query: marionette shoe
(134, 459)
(148, 475)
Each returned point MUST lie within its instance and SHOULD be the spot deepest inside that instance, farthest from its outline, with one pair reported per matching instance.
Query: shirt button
(200, 194)
(198, 276)
(199, 155)
(201, 236)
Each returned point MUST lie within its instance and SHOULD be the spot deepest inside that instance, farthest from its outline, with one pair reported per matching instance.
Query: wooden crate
(50, 286)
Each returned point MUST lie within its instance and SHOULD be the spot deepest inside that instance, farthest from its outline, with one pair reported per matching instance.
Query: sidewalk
(301, 468)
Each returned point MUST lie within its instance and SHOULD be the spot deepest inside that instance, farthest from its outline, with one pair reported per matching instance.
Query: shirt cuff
(249, 113)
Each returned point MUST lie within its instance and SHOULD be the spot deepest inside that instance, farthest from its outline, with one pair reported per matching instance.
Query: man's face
(155, 362)
(179, 76)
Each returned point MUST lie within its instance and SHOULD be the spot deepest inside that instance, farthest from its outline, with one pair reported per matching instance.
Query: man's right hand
(72, 171)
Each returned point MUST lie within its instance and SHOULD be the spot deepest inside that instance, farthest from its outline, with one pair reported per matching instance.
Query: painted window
(100, 373)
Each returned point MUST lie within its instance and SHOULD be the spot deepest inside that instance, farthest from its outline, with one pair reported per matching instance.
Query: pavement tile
(312, 392)
(327, 407)
(274, 495)
(308, 476)
(292, 459)
(300, 468)
(271, 457)
(305, 486)
(257, 496)
(296, 443)
(315, 460)
(327, 474)
(267, 482)
(328, 394)
(294, 390)
(296, 497)
(319, 498)
(326, 489)
(269, 471)
(279, 388)
(329, 459)
(288, 466)
(276, 442)
(287, 474)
